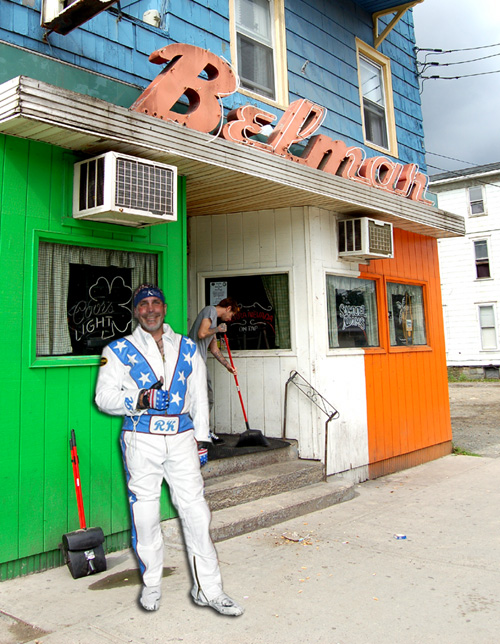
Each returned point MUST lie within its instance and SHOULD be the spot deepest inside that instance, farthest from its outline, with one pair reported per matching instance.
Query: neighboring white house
(470, 268)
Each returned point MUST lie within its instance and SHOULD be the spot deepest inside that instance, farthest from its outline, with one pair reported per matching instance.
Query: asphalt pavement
(413, 558)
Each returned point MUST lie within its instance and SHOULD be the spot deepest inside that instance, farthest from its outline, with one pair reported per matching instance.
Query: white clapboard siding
(302, 242)
(462, 292)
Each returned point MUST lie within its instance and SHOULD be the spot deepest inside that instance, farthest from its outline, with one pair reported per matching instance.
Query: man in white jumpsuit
(156, 379)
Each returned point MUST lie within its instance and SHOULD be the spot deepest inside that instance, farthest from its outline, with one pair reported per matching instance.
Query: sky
(461, 117)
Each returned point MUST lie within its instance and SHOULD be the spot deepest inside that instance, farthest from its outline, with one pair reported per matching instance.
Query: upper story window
(377, 108)
(476, 200)
(259, 48)
(482, 259)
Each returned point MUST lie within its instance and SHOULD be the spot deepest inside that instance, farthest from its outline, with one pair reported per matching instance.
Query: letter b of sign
(195, 73)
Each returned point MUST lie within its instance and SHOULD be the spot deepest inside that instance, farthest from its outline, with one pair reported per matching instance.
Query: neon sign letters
(204, 78)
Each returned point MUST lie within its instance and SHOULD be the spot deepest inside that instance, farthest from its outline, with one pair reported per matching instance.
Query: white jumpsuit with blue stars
(162, 445)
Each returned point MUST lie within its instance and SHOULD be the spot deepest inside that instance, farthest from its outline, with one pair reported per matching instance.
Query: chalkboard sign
(99, 306)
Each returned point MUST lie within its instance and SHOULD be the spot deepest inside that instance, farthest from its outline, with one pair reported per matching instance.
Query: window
(352, 312)
(263, 321)
(84, 296)
(375, 89)
(405, 303)
(488, 328)
(476, 200)
(482, 259)
(259, 47)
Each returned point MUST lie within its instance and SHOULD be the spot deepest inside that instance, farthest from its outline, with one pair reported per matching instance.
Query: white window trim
(280, 55)
(267, 353)
(485, 238)
(365, 51)
(493, 305)
(469, 206)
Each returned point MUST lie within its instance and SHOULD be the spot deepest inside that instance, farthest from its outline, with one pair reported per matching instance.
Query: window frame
(471, 201)
(482, 261)
(280, 67)
(380, 300)
(492, 306)
(203, 276)
(75, 240)
(396, 348)
(384, 63)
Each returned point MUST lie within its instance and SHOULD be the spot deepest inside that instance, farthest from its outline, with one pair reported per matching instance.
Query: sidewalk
(349, 581)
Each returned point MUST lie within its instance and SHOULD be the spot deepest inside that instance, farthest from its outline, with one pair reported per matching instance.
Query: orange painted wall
(407, 388)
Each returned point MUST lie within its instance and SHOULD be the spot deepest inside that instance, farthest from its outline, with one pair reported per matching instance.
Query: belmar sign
(204, 78)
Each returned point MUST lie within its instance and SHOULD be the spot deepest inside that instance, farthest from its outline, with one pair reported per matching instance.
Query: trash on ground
(294, 536)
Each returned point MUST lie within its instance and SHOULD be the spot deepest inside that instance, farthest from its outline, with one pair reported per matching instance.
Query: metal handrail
(320, 401)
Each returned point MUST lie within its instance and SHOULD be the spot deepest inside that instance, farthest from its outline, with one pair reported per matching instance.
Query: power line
(452, 51)
(459, 62)
(496, 71)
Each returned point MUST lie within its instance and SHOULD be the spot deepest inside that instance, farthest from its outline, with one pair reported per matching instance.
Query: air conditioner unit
(120, 189)
(62, 16)
(365, 238)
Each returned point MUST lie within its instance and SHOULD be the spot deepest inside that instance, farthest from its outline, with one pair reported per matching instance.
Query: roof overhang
(222, 176)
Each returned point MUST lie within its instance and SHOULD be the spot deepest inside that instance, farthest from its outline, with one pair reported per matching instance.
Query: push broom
(249, 437)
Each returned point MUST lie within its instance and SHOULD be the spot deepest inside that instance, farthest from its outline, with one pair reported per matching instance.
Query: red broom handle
(236, 380)
(76, 476)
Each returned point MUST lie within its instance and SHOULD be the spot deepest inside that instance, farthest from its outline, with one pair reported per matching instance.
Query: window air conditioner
(62, 16)
(365, 238)
(120, 189)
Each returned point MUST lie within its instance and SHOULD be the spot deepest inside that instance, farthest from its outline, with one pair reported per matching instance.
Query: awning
(222, 176)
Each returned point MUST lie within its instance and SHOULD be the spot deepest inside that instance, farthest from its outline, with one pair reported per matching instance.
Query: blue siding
(320, 35)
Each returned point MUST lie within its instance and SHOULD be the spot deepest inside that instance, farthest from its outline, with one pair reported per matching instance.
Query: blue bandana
(148, 291)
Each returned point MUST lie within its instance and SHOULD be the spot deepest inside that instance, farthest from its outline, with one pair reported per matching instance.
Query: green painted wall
(43, 399)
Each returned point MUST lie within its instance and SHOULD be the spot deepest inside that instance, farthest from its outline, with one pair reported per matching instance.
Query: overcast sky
(461, 117)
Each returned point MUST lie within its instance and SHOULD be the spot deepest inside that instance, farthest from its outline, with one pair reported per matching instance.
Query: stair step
(234, 489)
(226, 459)
(268, 511)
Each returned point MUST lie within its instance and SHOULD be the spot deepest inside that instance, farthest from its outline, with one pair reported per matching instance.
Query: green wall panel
(48, 397)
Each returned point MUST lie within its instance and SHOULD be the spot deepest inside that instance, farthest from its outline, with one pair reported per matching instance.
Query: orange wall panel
(407, 388)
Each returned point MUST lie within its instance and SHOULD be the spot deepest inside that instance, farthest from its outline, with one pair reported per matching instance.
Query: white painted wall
(461, 290)
(302, 242)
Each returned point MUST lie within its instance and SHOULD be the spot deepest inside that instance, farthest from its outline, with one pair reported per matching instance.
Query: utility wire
(496, 71)
(459, 62)
(452, 51)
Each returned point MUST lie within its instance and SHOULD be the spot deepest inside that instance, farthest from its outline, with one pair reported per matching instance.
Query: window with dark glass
(352, 312)
(405, 303)
(263, 321)
(84, 296)
(482, 259)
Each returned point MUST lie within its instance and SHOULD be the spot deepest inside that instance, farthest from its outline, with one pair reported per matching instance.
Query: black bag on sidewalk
(83, 551)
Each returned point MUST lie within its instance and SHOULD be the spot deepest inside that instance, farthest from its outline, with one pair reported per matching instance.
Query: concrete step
(227, 459)
(258, 482)
(260, 513)
(241, 519)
